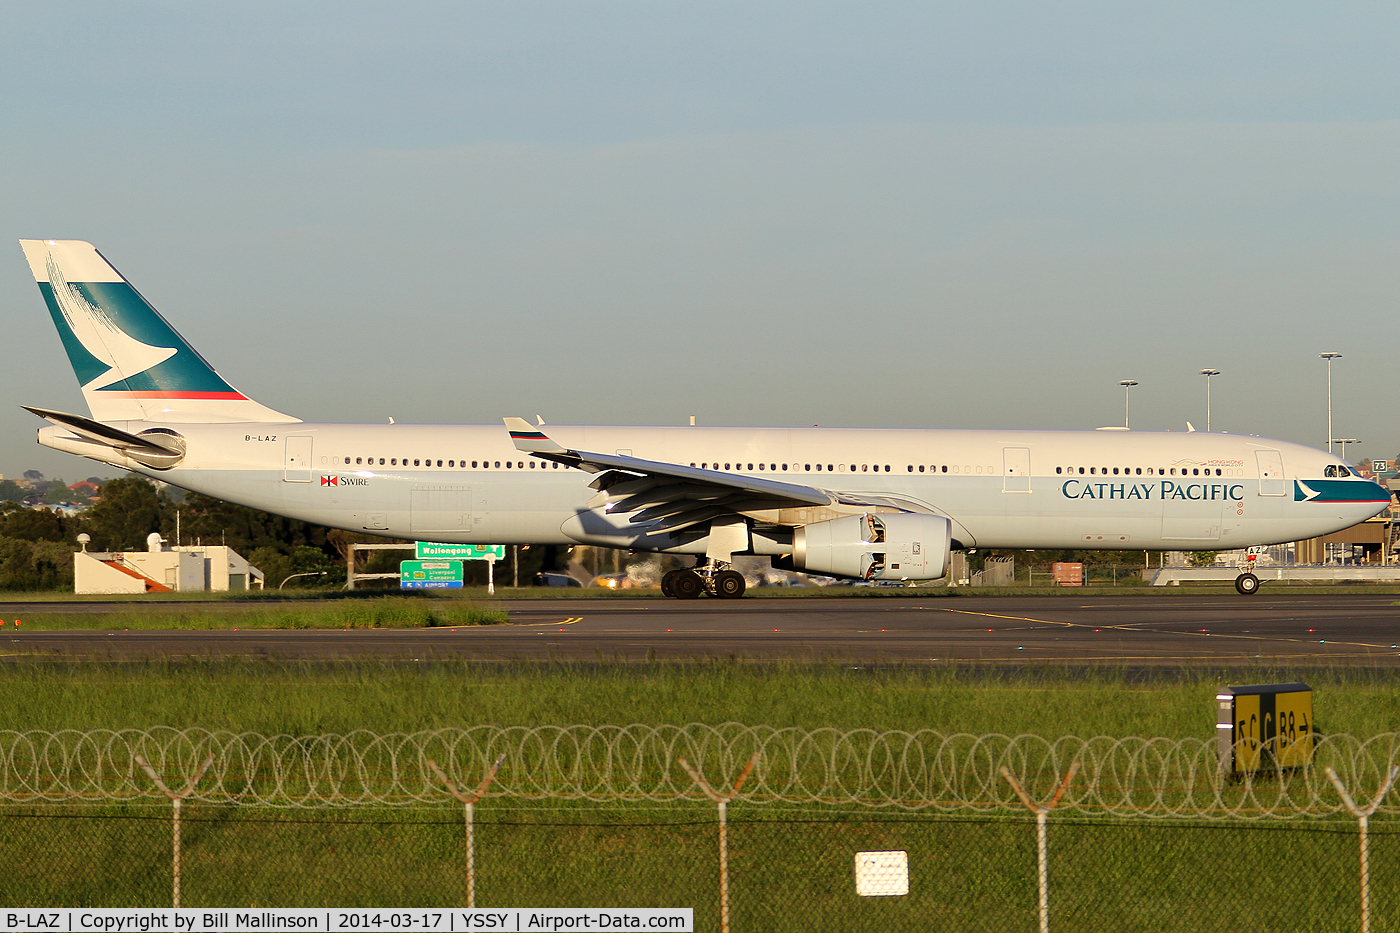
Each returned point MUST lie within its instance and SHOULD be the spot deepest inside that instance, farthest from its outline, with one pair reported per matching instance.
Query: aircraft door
(1194, 512)
(1271, 481)
(441, 510)
(1016, 469)
(296, 468)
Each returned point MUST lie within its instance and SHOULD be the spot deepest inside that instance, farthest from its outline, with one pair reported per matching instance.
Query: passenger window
(1092, 469)
(1115, 471)
(1139, 471)
(945, 468)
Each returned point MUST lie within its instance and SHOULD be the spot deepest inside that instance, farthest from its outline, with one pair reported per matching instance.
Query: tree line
(37, 544)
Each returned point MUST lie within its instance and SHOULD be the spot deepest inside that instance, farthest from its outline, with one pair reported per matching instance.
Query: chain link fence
(1148, 835)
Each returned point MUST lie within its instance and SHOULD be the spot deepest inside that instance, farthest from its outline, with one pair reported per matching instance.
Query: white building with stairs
(161, 569)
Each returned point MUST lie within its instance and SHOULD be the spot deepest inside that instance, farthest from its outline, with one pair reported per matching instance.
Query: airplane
(873, 504)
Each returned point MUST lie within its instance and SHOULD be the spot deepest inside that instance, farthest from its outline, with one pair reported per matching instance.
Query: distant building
(82, 487)
(160, 569)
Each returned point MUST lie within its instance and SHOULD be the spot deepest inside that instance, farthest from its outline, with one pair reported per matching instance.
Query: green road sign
(430, 574)
(429, 551)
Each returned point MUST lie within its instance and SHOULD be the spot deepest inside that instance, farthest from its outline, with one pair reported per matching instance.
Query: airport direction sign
(430, 575)
(427, 550)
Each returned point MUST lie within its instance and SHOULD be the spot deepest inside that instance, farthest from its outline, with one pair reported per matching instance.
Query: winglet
(530, 438)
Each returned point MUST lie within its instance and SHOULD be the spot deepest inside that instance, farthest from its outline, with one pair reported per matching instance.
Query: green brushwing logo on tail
(117, 342)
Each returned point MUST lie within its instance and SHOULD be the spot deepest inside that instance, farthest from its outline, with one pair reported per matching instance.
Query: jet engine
(897, 546)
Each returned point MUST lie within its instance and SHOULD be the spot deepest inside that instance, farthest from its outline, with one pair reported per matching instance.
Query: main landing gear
(1246, 584)
(714, 577)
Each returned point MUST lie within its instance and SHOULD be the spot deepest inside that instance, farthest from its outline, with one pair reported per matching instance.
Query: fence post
(1363, 816)
(1042, 815)
(176, 798)
(469, 801)
(723, 801)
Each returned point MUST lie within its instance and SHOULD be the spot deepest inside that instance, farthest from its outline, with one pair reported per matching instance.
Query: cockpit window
(1336, 470)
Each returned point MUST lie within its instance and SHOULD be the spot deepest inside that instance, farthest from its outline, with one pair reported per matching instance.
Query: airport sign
(430, 574)
(427, 550)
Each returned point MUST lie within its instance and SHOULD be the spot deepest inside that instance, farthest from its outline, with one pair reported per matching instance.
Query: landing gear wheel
(686, 584)
(1246, 584)
(729, 584)
(666, 580)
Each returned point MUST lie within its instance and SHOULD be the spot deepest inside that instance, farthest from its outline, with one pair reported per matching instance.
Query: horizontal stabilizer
(156, 448)
(161, 444)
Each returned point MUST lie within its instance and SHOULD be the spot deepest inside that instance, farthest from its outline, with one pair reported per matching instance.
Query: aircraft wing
(669, 496)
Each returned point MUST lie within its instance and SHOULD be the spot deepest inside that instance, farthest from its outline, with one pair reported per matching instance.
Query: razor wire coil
(924, 770)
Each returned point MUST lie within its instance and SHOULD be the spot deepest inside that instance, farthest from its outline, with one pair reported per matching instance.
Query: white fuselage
(999, 488)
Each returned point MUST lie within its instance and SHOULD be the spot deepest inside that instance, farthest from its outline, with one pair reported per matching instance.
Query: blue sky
(913, 214)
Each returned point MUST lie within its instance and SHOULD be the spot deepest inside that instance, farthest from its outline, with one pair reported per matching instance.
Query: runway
(1185, 631)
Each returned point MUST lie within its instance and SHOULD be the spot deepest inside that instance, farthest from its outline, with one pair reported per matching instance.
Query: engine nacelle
(899, 546)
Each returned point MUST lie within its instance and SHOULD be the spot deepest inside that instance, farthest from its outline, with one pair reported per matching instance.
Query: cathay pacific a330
(863, 503)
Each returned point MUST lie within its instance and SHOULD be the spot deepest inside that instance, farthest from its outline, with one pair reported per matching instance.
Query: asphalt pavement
(1281, 629)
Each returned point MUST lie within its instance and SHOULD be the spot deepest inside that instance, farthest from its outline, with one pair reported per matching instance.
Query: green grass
(1272, 589)
(788, 870)
(334, 697)
(379, 612)
(791, 868)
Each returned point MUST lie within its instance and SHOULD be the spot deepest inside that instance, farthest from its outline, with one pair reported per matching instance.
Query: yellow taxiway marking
(1142, 631)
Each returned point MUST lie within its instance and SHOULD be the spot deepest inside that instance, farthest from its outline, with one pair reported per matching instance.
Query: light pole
(1208, 373)
(314, 573)
(1344, 441)
(1329, 357)
(1127, 385)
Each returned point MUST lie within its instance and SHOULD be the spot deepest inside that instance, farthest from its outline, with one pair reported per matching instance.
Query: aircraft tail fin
(132, 365)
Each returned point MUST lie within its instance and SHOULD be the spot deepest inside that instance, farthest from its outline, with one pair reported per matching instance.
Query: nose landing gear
(1246, 584)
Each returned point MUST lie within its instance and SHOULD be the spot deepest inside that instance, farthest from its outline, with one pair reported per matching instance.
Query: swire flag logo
(330, 481)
